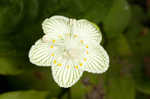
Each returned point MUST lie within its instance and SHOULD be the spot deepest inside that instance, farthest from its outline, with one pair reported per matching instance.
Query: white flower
(71, 47)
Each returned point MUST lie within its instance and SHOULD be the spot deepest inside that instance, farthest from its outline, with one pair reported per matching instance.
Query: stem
(69, 93)
(64, 90)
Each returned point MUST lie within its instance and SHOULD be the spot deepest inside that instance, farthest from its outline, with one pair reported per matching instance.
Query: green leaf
(9, 66)
(119, 46)
(94, 11)
(97, 10)
(79, 91)
(143, 86)
(86, 85)
(120, 88)
(117, 19)
(31, 9)
(6, 46)
(30, 94)
(141, 75)
(73, 8)
(27, 36)
(50, 7)
(136, 31)
(138, 14)
(143, 42)
(35, 78)
(11, 12)
(138, 38)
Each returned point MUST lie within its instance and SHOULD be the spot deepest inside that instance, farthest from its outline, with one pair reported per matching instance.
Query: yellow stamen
(51, 46)
(68, 67)
(54, 61)
(81, 64)
(87, 52)
(84, 59)
(81, 41)
(59, 64)
(75, 35)
(76, 67)
(52, 54)
(53, 41)
(87, 46)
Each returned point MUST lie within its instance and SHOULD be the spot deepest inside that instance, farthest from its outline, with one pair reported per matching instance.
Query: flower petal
(98, 60)
(87, 31)
(66, 75)
(42, 53)
(56, 25)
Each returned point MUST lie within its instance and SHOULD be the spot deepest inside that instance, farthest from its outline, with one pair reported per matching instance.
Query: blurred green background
(125, 26)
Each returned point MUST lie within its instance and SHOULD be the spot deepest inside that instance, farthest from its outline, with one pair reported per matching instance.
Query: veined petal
(98, 60)
(42, 53)
(87, 31)
(56, 25)
(66, 75)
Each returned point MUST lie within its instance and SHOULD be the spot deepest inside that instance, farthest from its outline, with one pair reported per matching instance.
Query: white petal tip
(39, 55)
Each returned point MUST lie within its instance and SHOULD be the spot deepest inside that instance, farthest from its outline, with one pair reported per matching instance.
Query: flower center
(72, 49)
(72, 53)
